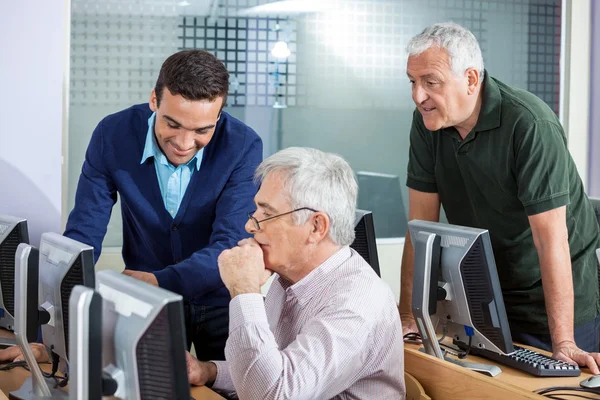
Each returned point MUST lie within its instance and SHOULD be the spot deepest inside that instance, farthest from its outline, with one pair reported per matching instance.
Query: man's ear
(153, 101)
(473, 80)
(319, 227)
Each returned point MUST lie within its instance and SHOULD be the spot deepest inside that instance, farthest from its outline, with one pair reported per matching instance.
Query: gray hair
(322, 181)
(459, 42)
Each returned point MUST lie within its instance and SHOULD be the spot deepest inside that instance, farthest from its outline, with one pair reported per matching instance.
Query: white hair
(459, 42)
(322, 181)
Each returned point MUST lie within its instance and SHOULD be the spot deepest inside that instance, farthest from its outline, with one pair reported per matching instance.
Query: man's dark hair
(193, 74)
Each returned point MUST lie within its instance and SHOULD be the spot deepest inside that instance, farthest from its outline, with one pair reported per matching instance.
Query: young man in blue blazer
(183, 169)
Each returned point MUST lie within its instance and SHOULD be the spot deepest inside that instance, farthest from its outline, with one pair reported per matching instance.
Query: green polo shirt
(513, 164)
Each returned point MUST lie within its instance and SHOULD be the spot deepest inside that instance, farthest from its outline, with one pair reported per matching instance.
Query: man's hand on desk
(13, 353)
(200, 373)
(408, 324)
(569, 352)
(147, 277)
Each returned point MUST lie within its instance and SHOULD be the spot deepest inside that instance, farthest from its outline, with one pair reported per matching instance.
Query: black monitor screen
(364, 241)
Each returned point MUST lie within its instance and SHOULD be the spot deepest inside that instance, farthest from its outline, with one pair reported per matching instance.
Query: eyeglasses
(257, 222)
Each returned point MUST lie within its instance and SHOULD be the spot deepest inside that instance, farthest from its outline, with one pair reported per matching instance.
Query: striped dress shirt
(335, 334)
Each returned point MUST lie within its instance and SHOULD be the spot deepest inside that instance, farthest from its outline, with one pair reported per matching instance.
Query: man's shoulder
(521, 104)
(358, 287)
(134, 118)
(235, 129)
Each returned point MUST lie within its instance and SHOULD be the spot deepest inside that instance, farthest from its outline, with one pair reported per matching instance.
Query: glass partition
(328, 74)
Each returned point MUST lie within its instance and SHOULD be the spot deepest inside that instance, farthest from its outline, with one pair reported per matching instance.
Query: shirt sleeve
(95, 197)
(228, 228)
(542, 167)
(223, 383)
(421, 158)
(319, 364)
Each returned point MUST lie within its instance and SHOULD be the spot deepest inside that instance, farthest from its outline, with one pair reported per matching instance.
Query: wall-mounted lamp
(281, 50)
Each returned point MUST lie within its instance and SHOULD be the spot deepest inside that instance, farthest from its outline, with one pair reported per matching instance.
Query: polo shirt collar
(491, 105)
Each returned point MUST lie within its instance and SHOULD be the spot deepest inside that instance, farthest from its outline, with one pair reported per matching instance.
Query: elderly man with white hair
(328, 327)
(496, 157)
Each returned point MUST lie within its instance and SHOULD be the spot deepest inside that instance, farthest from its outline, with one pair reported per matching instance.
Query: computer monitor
(456, 288)
(13, 231)
(143, 341)
(381, 194)
(364, 240)
(63, 264)
(27, 317)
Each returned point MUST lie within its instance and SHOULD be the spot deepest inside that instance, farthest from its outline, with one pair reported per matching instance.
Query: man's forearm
(557, 283)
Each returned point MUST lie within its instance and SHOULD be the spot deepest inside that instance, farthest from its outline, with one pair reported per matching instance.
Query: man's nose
(419, 94)
(187, 140)
(250, 227)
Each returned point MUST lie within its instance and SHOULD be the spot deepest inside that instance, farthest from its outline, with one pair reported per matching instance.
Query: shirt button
(286, 320)
(171, 212)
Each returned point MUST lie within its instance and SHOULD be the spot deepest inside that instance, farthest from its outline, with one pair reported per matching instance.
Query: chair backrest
(414, 390)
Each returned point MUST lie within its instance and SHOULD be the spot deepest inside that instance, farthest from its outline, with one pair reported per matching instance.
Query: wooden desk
(444, 380)
(13, 379)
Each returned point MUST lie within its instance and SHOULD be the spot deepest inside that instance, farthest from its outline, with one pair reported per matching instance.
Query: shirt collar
(151, 148)
(491, 105)
(317, 279)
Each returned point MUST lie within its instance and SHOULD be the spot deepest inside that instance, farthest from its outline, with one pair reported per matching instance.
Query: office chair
(414, 389)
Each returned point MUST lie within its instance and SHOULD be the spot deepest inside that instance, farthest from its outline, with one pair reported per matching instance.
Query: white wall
(33, 57)
(390, 257)
(575, 113)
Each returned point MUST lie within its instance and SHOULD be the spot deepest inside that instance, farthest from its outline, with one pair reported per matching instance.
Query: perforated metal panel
(72, 278)
(8, 249)
(244, 45)
(543, 78)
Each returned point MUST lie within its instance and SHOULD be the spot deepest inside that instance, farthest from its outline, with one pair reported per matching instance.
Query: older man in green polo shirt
(496, 157)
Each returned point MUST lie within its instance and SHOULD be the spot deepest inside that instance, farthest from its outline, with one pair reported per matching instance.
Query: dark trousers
(587, 337)
(208, 328)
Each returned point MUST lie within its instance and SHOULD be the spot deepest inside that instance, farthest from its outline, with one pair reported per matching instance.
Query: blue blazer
(181, 251)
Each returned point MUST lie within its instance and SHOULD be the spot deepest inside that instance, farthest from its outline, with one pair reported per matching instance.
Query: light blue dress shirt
(173, 181)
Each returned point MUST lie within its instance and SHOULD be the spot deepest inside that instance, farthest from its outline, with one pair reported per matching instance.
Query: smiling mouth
(179, 152)
(425, 109)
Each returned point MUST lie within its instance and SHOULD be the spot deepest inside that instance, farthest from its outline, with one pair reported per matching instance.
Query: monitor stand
(423, 281)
